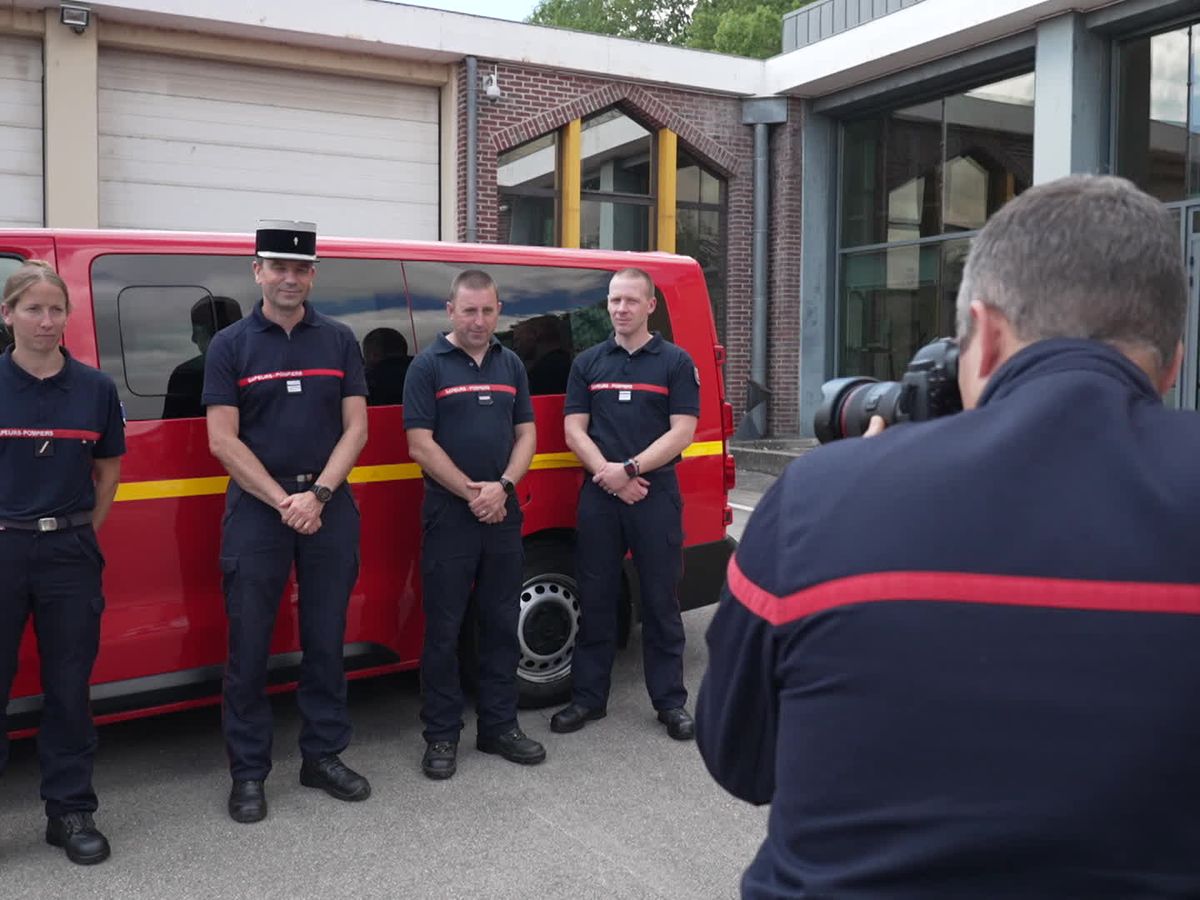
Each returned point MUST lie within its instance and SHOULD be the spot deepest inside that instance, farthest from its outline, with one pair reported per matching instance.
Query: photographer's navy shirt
(630, 397)
(471, 409)
(51, 431)
(960, 659)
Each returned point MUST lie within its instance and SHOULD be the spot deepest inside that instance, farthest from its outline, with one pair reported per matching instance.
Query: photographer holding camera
(960, 659)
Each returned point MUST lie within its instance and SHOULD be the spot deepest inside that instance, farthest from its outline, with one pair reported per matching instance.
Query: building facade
(883, 137)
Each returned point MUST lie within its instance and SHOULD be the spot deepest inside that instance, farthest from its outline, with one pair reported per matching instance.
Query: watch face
(323, 493)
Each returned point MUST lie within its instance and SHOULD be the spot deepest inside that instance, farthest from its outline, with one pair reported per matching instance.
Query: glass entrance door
(1186, 393)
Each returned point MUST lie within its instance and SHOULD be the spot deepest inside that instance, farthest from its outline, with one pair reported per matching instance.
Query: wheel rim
(547, 626)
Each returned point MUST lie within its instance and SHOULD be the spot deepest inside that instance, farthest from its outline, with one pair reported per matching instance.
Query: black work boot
(514, 746)
(440, 760)
(334, 777)
(76, 833)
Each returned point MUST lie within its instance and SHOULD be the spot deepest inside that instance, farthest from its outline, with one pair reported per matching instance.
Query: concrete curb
(769, 457)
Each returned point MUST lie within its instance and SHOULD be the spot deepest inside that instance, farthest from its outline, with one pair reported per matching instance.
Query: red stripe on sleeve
(959, 587)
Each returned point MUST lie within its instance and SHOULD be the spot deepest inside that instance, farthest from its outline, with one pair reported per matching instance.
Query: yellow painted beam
(668, 145)
(570, 180)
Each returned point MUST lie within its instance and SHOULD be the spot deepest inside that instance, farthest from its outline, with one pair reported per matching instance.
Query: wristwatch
(323, 493)
(509, 487)
(632, 469)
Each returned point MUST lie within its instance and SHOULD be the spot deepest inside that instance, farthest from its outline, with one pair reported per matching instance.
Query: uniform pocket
(90, 546)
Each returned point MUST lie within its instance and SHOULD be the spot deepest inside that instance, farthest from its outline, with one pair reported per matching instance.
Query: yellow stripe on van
(216, 484)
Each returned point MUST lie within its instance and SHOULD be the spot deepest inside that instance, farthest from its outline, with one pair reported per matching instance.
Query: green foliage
(660, 21)
(741, 27)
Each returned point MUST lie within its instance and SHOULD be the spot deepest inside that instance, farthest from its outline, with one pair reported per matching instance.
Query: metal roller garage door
(211, 146)
(20, 132)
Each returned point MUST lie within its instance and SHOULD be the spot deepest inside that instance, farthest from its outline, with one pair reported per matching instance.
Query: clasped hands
(488, 501)
(611, 478)
(302, 512)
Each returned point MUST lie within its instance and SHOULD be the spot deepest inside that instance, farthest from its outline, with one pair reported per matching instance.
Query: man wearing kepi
(287, 417)
(631, 409)
(959, 659)
(469, 422)
(61, 441)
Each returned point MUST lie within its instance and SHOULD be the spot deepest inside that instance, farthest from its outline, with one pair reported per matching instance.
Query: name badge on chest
(43, 447)
(293, 385)
(484, 399)
(624, 396)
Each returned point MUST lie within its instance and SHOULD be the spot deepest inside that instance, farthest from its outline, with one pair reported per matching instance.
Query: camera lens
(847, 405)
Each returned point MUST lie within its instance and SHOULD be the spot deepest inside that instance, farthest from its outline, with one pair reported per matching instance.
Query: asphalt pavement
(618, 810)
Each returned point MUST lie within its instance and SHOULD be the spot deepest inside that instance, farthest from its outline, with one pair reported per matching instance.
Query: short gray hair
(1089, 256)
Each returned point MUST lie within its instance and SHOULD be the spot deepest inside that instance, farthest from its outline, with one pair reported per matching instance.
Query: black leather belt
(299, 479)
(48, 523)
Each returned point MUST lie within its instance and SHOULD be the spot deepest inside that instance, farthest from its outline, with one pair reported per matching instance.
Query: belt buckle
(305, 479)
(49, 523)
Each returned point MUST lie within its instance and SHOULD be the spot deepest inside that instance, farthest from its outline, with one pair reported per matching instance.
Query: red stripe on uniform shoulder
(78, 434)
(958, 587)
(291, 373)
(474, 389)
(625, 386)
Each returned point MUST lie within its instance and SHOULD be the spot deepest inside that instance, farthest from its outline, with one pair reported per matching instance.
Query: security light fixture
(77, 18)
(491, 86)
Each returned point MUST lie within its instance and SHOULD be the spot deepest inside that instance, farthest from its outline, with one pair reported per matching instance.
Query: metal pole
(472, 186)
(758, 328)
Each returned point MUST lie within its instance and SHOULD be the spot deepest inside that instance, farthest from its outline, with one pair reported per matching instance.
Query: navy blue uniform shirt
(50, 431)
(960, 659)
(470, 409)
(288, 388)
(631, 397)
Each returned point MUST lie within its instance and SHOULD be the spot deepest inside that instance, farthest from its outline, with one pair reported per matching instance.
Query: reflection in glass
(609, 225)
(1152, 111)
(894, 301)
(615, 153)
(527, 182)
(936, 167)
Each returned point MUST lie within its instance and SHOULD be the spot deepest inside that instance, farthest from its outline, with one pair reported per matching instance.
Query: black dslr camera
(928, 389)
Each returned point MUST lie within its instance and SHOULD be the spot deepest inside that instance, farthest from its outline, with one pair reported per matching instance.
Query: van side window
(156, 314)
(549, 314)
(9, 263)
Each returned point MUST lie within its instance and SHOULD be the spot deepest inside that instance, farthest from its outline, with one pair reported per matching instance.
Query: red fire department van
(144, 307)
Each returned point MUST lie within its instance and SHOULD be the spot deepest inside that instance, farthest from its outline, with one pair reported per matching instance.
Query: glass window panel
(1152, 111)
(895, 301)
(616, 153)
(989, 150)
(687, 181)
(530, 165)
(609, 225)
(710, 188)
(528, 220)
(1194, 117)
(862, 155)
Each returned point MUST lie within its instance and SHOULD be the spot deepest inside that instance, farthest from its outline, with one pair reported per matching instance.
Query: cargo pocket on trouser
(229, 566)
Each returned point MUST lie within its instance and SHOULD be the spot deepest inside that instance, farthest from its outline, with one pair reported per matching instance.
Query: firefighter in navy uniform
(287, 417)
(469, 422)
(959, 659)
(631, 409)
(61, 441)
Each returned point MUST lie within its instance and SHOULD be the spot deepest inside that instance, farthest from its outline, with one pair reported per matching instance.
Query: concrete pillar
(1072, 100)
(72, 135)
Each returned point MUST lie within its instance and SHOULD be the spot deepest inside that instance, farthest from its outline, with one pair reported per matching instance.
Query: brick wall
(537, 101)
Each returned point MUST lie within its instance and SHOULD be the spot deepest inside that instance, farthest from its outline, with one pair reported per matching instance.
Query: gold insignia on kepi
(285, 239)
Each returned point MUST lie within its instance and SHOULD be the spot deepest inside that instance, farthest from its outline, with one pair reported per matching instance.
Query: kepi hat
(284, 239)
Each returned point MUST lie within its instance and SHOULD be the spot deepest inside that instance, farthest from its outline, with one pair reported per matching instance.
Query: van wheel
(548, 624)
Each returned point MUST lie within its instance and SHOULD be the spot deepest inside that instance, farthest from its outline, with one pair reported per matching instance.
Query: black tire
(548, 624)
